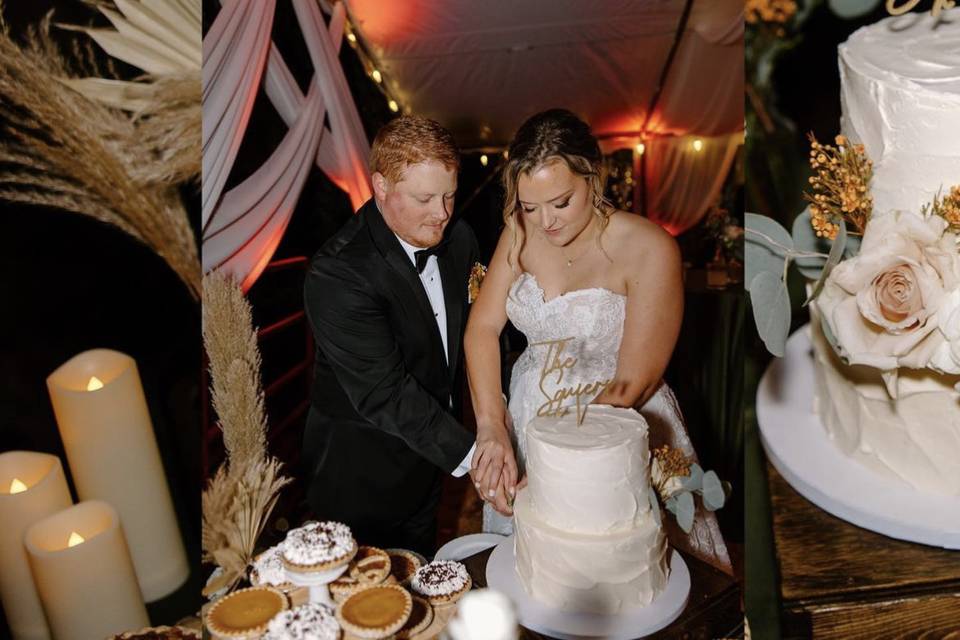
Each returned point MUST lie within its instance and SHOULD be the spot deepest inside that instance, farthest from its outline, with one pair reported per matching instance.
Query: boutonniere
(477, 274)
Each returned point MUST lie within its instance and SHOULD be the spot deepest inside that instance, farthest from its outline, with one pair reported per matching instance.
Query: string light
(393, 106)
(641, 148)
(484, 159)
(375, 74)
(352, 38)
(697, 144)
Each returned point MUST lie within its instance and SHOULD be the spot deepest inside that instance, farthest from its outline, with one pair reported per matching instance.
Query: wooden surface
(713, 611)
(840, 581)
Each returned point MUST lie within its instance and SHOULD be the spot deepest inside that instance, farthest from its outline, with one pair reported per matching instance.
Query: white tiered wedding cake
(901, 100)
(587, 536)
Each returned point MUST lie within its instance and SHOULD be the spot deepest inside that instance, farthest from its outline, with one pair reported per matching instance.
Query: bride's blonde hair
(552, 136)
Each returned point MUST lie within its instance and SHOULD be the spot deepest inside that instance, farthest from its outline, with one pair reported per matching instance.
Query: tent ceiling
(482, 67)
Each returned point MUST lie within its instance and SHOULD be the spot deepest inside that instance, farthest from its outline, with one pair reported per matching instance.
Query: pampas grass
(61, 149)
(239, 499)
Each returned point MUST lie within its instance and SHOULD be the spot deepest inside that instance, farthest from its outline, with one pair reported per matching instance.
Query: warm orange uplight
(75, 539)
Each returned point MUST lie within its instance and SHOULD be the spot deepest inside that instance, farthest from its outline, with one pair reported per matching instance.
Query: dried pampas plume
(239, 499)
(60, 148)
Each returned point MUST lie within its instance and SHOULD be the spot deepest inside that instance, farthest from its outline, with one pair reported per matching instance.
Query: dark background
(69, 283)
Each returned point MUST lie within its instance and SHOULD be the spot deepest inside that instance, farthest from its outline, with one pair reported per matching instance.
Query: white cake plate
(317, 581)
(630, 623)
(804, 454)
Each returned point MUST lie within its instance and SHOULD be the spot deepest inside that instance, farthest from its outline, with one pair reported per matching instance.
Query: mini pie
(318, 547)
(311, 621)
(268, 571)
(441, 582)
(370, 566)
(343, 587)
(421, 615)
(159, 633)
(375, 612)
(245, 613)
(403, 564)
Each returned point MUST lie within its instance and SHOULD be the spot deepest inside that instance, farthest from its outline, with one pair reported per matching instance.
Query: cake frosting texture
(587, 538)
(900, 95)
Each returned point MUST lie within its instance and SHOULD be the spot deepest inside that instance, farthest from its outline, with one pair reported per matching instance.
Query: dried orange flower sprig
(947, 208)
(769, 11)
(840, 187)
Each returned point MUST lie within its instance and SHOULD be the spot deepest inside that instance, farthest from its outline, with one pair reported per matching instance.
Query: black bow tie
(423, 255)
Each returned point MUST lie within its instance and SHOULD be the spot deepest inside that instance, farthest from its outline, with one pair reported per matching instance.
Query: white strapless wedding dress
(593, 318)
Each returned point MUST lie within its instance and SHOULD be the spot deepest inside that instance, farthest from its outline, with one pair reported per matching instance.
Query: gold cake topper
(556, 362)
(938, 6)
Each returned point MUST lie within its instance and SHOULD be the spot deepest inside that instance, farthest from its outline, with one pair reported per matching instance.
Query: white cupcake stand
(628, 624)
(318, 582)
(802, 452)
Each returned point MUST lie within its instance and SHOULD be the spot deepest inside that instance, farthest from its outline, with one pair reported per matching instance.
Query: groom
(386, 298)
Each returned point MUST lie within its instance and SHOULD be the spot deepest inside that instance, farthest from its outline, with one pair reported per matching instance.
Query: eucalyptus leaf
(685, 511)
(713, 494)
(849, 9)
(693, 482)
(771, 311)
(654, 504)
(671, 504)
(836, 254)
(761, 256)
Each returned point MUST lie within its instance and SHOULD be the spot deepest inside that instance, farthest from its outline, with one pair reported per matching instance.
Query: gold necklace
(570, 261)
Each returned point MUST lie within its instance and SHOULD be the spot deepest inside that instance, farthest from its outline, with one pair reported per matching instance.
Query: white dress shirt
(433, 286)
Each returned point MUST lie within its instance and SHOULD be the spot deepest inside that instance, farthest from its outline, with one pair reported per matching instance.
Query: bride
(568, 265)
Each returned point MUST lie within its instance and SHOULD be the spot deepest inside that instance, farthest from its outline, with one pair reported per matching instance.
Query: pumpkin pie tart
(441, 582)
(375, 612)
(318, 547)
(245, 613)
(370, 566)
(421, 615)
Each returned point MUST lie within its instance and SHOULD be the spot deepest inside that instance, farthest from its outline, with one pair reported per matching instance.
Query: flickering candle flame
(641, 148)
(94, 384)
(697, 144)
(16, 486)
(75, 539)
(484, 159)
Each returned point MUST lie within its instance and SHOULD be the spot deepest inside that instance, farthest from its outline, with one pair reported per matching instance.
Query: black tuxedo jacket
(380, 427)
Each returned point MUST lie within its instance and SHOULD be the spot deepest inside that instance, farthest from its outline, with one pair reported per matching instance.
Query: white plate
(466, 546)
(803, 453)
(631, 623)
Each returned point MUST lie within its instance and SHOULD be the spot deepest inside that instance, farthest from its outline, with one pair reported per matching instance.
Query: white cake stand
(630, 623)
(803, 453)
(317, 581)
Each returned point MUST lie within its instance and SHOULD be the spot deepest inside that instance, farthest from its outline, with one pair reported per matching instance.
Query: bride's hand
(493, 458)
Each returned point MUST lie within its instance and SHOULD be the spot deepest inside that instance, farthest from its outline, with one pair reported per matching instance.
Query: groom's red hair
(408, 140)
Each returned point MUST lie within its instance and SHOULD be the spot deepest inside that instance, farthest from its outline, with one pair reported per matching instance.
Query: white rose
(884, 305)
(947, 357)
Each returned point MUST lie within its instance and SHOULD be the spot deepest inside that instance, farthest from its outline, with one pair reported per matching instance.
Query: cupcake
(441, 582)
(311, 621)
(268, 571)
(318, 547)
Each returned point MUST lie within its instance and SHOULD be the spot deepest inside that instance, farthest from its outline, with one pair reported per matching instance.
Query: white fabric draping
(245, 226)
(481, 68)
(682, 183)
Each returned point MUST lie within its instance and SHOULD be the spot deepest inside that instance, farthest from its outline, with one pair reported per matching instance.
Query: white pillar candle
(108, 436)
(83, 572)
(32, 487)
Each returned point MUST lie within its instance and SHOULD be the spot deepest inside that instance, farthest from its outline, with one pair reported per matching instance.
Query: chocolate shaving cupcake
(441, 582)
(317, 547)
(311, 621)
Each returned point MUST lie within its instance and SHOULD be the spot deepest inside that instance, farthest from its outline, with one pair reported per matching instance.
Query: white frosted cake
(587, 537)
(901, 100)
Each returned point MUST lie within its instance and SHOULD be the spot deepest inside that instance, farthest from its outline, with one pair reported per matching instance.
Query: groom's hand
(493, 460)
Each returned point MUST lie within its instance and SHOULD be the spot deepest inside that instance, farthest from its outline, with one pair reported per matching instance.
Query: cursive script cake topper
(558, 363)
(938, 6)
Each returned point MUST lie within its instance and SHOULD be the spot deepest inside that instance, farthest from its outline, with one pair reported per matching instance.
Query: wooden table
(840, 581)
(713, 611)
